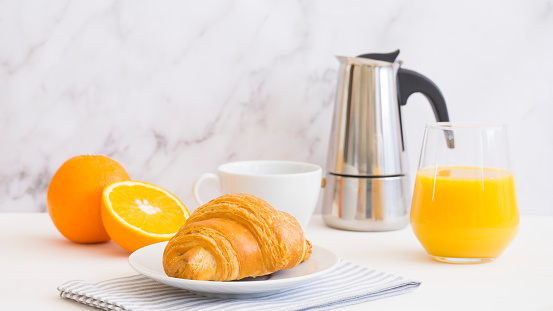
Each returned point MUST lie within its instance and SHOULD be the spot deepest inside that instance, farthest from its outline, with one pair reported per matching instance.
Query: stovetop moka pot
(367, 186)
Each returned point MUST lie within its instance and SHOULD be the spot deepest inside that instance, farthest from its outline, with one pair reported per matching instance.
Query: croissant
(232, 237)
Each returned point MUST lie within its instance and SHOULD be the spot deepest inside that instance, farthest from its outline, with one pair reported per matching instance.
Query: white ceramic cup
(292, 187)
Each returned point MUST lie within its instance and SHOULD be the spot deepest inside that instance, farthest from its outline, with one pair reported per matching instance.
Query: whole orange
(75, 195)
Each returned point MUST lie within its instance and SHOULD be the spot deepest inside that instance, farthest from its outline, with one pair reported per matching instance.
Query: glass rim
(466, 125)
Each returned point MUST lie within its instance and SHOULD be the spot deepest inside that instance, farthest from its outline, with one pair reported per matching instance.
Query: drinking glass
(464, 207)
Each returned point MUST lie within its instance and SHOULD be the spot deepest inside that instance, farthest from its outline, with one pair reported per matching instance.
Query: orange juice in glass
(464, 207)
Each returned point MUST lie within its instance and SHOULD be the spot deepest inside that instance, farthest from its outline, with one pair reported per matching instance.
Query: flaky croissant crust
(233, 237)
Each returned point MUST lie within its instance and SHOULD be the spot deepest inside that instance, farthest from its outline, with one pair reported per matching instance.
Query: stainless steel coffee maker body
(367, 182)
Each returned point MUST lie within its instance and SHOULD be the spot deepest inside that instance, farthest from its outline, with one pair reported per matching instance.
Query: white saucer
(148, 261)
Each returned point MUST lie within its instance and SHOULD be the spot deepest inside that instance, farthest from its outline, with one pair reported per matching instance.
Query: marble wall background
(172, 89)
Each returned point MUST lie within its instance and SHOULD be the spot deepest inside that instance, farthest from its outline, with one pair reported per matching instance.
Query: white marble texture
(172, 89)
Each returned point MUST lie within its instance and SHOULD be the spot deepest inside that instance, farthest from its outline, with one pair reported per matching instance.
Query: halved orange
(136, 214)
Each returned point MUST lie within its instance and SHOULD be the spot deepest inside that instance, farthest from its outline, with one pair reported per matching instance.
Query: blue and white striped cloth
(346, 285)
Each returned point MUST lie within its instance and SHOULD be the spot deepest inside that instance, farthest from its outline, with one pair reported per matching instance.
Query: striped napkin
(345, 285)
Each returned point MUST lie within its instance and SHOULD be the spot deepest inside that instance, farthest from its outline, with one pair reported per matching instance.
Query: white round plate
(148, 261)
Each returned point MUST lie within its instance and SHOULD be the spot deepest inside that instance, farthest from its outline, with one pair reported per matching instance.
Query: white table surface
(35, 258)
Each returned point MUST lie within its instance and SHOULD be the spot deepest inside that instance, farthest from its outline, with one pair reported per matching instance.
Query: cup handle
(202, 178)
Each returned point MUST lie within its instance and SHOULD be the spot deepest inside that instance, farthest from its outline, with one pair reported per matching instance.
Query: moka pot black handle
(409, 82)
